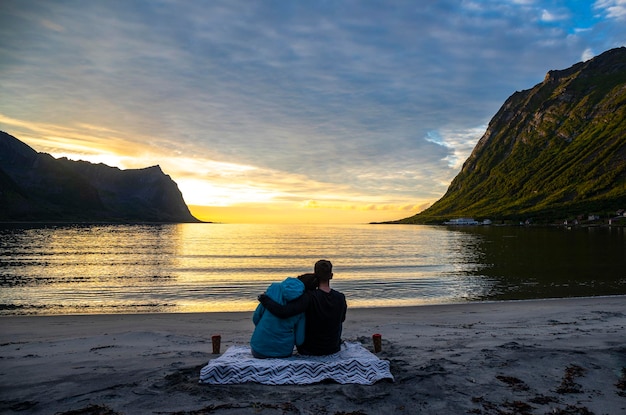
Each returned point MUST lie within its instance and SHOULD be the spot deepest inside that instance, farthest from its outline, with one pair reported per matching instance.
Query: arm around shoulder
(290, 309)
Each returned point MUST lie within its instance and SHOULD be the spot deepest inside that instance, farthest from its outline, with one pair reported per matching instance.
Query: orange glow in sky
(295, 215)
(218, 191)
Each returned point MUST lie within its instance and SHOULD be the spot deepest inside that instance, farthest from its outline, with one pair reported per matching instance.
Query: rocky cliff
(551, 152)
(37, 187)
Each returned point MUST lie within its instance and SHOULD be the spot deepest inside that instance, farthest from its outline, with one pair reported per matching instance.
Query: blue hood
(289, 289)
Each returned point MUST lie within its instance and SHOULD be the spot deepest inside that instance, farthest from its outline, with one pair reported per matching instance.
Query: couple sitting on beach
(302, 311)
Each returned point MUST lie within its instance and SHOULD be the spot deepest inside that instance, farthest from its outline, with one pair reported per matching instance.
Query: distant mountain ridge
(554, 151)
(37, 187)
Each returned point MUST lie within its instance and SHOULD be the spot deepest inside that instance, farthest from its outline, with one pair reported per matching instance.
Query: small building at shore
(462, 222)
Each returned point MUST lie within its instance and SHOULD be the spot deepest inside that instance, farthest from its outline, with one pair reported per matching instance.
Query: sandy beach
(565, 356)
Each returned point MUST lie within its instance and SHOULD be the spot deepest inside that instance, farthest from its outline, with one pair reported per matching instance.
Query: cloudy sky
(285, 110)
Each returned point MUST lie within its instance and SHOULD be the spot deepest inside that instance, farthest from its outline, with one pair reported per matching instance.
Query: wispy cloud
(614, 9)
(370, 100)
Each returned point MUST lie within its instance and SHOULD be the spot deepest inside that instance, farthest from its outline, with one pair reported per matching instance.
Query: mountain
(37, 187)
(552, 152)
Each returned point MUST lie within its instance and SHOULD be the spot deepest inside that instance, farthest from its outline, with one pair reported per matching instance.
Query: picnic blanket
(352, 364)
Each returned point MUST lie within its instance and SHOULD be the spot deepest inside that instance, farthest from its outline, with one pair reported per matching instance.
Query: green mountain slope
(551, 152)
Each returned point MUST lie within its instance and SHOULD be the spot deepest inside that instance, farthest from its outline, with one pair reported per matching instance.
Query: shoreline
(531, 356)
(374, 307)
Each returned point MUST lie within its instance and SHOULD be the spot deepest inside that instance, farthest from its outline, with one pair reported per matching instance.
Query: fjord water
(58, 269)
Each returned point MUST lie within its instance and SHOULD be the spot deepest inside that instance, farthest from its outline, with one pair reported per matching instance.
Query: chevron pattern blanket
(353, 364)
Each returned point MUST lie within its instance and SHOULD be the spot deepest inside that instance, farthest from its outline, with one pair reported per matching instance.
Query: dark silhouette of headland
(36, 187)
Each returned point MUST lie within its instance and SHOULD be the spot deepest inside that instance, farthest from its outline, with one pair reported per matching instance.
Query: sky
(285, 111)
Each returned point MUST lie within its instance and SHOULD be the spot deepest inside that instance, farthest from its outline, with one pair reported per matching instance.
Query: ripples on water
(215, 267)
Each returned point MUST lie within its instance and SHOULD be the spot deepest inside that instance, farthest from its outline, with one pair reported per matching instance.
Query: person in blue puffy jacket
(273, 336)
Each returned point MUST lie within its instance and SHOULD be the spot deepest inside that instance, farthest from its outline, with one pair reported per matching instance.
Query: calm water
(214, 267)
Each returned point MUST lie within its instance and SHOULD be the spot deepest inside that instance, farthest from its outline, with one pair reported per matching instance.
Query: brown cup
(217, 339)
(378, 342)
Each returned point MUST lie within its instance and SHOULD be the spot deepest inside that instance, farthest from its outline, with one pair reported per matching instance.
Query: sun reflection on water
(212, 267)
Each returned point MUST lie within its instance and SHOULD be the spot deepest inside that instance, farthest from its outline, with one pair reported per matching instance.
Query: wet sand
(565, 356)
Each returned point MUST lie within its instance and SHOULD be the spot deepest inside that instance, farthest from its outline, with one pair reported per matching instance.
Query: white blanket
(353, 364)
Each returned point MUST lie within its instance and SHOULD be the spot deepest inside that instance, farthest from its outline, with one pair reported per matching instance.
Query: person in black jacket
(325, 311)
